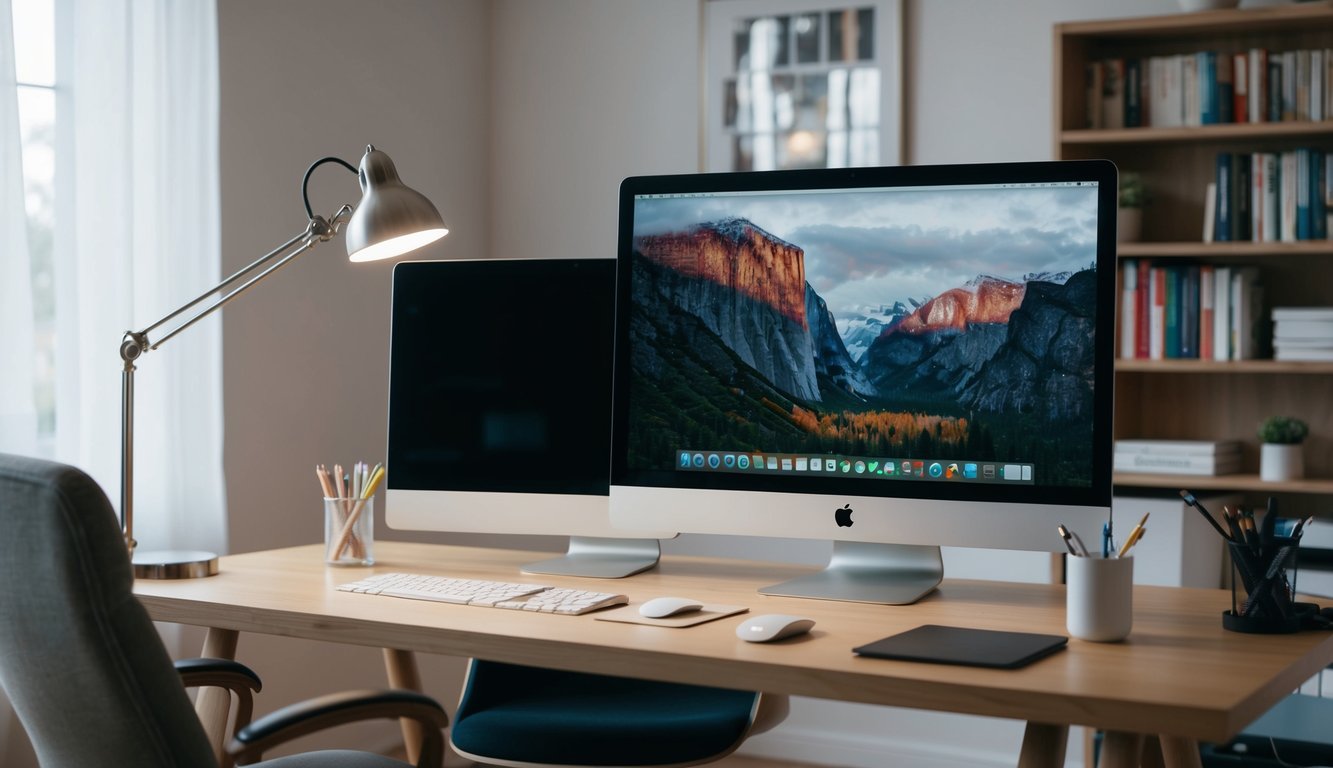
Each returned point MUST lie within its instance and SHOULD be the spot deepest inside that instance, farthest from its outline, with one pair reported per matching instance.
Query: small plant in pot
(1280, 456)
(1133, 198)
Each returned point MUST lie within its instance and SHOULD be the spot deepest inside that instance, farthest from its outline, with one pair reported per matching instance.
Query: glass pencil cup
(349, 531)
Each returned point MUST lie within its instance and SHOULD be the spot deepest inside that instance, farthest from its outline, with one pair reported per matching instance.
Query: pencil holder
(1099, 598)
(349, 531)
(1261, 588)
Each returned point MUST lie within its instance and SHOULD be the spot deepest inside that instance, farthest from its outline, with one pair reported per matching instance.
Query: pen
(1068, 539)
(1133, 536)
(1078, 544)
(1133, 539)
(1194, 502)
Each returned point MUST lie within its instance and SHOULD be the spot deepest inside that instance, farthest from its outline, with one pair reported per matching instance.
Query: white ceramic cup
(1099, 598)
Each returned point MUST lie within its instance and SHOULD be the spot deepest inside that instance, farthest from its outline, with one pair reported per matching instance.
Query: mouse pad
(630, 615)
(961, 645)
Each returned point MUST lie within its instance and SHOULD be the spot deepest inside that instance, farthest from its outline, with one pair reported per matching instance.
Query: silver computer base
(889, 574)
(600, 558)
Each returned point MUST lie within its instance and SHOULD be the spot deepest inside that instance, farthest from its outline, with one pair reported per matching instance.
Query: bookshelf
(1203, 399)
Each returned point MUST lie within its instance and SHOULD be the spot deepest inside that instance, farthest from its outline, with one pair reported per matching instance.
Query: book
(1225, 195)
(1268, 203)
(1113, 93)
(1274, 89)
(1156, 313)
(1143, 309)
(1286, 197)
(1243, 193)
(1303, 313)
(1302, 194)
(1128, 313)
(1176, 464)
(1303, 355)
(1209, 211)
(1222, 313)
(1257, 81)
(1171, 313)
(1191, 113)
(1133, 93)
(1093, 77)
(1246, 311)
(1209, 88)
(1189, 312)
(1297, 330)
(1178, 447)
(1240, 88)
(1207, 303)
(1318, 203)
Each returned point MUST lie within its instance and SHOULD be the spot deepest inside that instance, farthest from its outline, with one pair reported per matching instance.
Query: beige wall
(305, 353)
(519, 118)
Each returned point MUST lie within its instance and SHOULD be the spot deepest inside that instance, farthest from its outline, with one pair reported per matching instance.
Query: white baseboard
(860, 750)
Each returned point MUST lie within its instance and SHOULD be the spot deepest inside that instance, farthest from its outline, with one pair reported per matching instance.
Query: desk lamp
(391, 220)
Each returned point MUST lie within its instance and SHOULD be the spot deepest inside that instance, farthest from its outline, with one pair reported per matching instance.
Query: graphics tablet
(960, 645)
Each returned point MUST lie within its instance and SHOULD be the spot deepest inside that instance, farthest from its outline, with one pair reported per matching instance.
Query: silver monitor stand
(601, 558)
(858, 572)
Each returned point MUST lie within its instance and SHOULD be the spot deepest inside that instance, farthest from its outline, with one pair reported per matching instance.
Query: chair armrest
(283, 725)
(218, 673)
(223, 673)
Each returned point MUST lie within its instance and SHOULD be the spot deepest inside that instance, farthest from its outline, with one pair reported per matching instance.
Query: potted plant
(1133, 198)
(1280, 455)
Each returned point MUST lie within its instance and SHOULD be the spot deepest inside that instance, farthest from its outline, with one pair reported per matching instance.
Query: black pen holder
(1262, 598)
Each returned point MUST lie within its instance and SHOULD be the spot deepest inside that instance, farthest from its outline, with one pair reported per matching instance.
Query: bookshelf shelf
(1203, 399)
(1227, 251)
(1220, 367)
(1228, 133)
(1317, 486)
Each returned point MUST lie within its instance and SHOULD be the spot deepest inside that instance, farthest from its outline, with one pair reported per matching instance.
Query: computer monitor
(500, 407)
(891, 358)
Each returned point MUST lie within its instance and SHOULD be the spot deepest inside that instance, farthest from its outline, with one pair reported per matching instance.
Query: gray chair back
(80, 660)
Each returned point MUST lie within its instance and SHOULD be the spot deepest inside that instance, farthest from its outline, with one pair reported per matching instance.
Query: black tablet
(961, 645)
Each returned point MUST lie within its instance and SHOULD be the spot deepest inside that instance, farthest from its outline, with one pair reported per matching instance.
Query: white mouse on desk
(664, 607)
(772, 626)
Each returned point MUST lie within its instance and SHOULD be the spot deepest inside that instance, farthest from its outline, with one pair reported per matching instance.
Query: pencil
(366, 492)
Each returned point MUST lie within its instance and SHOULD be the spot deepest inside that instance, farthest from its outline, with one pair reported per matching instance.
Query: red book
(1206, 311)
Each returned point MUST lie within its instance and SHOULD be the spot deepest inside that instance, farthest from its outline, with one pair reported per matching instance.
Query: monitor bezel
(1096, 495)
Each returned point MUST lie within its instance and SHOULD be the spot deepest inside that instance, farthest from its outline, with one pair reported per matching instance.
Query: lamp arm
(136, 343)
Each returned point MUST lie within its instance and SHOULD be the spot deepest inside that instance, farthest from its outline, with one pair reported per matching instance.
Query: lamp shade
(392, 218)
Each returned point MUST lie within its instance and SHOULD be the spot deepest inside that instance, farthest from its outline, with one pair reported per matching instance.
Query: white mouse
(772, 626)
(663, 607)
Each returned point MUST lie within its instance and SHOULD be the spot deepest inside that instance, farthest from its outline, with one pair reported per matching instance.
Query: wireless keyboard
(538, 598)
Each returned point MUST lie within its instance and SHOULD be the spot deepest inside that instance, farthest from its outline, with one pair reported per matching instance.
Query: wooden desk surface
(1178, 674)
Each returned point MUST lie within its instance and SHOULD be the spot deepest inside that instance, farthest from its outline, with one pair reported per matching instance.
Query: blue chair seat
(517, 714)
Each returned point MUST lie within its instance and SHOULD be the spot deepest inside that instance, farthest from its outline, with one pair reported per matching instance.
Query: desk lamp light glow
(391, 220)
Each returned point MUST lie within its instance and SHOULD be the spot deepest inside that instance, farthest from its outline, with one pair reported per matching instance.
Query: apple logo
(843, 517)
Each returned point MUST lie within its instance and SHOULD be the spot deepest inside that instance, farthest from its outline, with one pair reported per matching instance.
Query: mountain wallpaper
(948, 324)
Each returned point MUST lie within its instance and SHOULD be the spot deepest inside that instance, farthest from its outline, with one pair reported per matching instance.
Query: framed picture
(801, 84)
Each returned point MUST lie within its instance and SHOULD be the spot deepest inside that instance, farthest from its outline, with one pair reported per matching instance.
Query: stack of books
(1178, 457)
(1303, 333)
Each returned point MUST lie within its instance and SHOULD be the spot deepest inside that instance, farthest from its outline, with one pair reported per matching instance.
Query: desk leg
(213, 705)
(1043, 746)
(1180, 753)
(1121, 750)
(402, 672)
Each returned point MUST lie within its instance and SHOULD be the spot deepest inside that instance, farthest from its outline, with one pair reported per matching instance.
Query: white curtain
(18, 410)
(145, 239)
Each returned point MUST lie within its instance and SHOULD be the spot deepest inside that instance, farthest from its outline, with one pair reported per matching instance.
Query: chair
(86, 671)
(514, 715)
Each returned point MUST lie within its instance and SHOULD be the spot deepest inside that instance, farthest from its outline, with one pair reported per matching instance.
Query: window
(35, 65)
(801, 84)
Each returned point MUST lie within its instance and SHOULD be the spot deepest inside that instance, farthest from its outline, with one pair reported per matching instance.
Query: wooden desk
(1179, 676)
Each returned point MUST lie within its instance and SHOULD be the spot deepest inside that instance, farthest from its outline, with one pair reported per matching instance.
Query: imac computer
(894, 359)
(500, 407)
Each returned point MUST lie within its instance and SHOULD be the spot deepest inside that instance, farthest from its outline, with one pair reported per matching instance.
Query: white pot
(1128, 225)
(1280, 462)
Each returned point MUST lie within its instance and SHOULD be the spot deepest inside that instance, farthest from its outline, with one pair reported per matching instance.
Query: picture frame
(801, 84)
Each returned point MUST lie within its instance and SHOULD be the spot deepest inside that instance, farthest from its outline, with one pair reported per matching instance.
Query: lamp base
(175, 564)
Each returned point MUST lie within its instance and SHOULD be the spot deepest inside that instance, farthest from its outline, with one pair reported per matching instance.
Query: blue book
(1303, 223)
(1206, 65)
(1171, 348)
(1189, 312)
(1222, 202)
(1318, 203)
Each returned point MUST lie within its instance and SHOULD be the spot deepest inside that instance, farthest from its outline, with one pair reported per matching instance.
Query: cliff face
(989, 300)
(744, 285)
(831, 357)
(736, 254)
